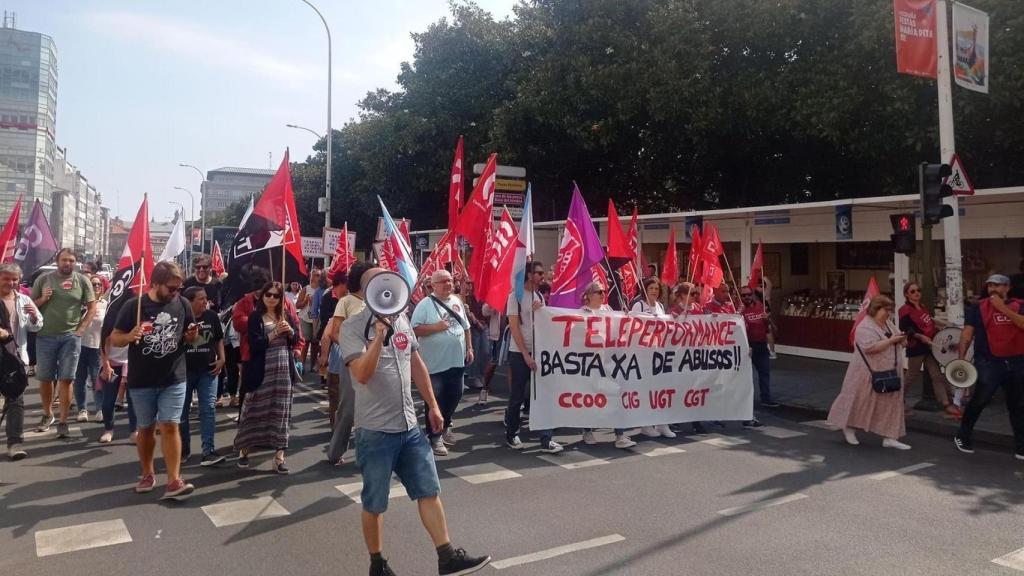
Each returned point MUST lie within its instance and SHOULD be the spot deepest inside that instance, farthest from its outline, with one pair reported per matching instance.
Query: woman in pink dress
(858, 406)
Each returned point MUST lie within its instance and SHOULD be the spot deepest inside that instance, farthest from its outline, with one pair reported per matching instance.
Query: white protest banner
(620, 370)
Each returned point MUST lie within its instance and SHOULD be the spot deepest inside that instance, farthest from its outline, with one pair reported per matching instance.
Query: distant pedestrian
(18, 317)
(202, 276)
(759, 324)
(441, 324)
(495, 325)
(89, 358)
(266, 414)
(61, 295)
(204, 360)
(478, 328)
(308, 307)
(920, 328)
(341, 395)
(878, 345)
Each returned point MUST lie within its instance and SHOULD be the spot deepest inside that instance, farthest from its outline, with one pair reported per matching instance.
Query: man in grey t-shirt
(389, 440)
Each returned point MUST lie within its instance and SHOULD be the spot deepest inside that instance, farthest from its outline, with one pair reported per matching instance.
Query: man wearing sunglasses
(155, 333)
(758, 325)
(202, 276)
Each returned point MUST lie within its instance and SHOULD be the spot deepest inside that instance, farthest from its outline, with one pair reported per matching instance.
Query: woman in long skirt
(267, 378)
(858, 406)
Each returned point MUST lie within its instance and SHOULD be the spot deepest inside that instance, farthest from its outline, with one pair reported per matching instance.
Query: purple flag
(36, 245)
(579, 250)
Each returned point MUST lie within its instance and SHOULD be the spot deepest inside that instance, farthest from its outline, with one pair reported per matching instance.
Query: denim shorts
(153, 405)
(406, 454)
(57, 357)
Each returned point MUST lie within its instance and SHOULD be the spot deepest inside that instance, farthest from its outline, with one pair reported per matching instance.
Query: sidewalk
(810, 385)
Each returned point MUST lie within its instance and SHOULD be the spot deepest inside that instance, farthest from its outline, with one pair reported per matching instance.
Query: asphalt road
(792, 499)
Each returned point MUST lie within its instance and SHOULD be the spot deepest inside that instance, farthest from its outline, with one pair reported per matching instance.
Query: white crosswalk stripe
(1014, 560)
(354, 490)
(81, 537)
(483, 473)
(573, 459)
(654, 449)
(243, 511)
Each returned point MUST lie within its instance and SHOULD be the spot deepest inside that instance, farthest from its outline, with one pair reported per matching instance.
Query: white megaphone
(387, 296)
(961, 373)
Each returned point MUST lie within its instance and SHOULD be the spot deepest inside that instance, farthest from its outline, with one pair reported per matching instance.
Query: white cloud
(205, 47)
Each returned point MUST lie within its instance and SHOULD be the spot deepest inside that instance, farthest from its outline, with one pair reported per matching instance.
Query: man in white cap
(996, 325)
(441, 324)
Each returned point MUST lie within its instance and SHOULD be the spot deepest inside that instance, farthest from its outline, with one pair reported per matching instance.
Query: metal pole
(202, 204)
(928, 401)
(951, 225)
(327, 188)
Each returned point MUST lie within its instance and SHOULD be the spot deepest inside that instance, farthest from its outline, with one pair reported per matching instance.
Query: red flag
(696, 250)
(455, 191)
(500, 263)
(711, 244)
(344, 254)
(619, 252)
(713, 280)
(403, 229)
(916, 51)
(137, 251)
(630, 273)
(277, 207)
(870, 293)
(756, 269)
(475, 221)
(217, 260)
(670, 269)
(478, 260)
(9, 235)
(711, 270)
(601, 276)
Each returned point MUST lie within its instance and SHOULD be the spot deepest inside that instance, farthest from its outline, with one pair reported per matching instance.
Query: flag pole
(142, 283)
(283, 256)
(731, 277)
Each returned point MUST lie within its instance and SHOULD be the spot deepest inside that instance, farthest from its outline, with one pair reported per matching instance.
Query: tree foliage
(669, 104)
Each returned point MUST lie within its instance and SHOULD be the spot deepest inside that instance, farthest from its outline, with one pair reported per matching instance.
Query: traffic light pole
(951, 225)
(928, 402)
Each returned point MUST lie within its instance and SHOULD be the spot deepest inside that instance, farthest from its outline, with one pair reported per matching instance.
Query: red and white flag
(9, 235)
(670, 268)
(501, 262)
(455, 192)
(217, 260)
(757, 268)
(136, 265)
(344, 255)
(870, 293)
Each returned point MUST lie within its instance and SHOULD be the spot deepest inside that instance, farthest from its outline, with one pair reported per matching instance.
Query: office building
(225, 186)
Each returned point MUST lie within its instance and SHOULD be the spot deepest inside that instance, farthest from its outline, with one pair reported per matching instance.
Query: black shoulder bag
(885, 381)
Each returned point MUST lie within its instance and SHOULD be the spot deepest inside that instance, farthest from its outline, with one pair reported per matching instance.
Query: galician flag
(524, 251)
(403, 256)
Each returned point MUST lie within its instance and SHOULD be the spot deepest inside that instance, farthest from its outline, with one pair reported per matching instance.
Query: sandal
(952, 411)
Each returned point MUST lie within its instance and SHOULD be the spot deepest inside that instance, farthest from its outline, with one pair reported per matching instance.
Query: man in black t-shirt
(202, 266)
(204, 360)
(155, 335)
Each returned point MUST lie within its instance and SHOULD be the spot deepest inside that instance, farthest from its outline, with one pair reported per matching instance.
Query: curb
(932, 428)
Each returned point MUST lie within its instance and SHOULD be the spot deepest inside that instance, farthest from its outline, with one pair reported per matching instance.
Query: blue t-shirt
(314, 305)
(442, 350)
(972, 318)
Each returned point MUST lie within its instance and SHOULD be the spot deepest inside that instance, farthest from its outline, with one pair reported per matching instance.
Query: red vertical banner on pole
(915, 37)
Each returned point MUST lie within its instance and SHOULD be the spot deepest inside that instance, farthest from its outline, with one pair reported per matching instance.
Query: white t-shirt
(643, 306)
(513, 307)
(493, 323)
(304, 313)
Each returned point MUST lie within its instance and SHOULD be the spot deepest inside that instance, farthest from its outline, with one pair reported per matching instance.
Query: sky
(145, 85)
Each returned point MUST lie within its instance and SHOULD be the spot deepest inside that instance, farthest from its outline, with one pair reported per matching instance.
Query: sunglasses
(914, 291)
(202, 267)
(274, 295)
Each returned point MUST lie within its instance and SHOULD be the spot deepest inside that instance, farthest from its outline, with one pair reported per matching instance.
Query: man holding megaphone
(996, 326)
(381, 351)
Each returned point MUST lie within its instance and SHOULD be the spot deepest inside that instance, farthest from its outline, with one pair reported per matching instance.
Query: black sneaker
(699, 429)
(211, 459)
(281, 468)
(462, 563)
(770, 404)
(381, 569)
(964, 445)
(753, 423)
(62, 430)
(243, 461)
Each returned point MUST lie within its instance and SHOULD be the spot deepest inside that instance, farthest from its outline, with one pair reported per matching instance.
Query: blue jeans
(88, 369)
(57, 357)
(405, 454)
(994, 373)
(108, 394)
(760, 357)
(518, 393)
(158, 405)
(447, 387)
(206, 385)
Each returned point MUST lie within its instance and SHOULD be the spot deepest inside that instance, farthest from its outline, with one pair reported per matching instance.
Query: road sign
(502, 171)
(516, 212)
(509, 198)
(958, 179)
(510, 185)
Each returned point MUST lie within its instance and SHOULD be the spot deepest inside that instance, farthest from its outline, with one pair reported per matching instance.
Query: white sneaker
(106, 437)
(448, 437)
(552, 447)
(83, 416)
(893, 443)
(588, 437)
(650, 432)
(515, 443)
(482, 398)
(439, 448)
(98, 416)
(624, 442)
(851, 437)
(665, 431)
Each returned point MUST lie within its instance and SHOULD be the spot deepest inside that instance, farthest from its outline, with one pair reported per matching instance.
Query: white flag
(176, 243)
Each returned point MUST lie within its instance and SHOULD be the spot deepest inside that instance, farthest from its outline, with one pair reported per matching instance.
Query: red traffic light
(904, 223)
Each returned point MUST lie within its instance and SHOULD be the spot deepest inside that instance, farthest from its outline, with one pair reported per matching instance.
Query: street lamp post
(202, 202)
(188, 246)
(327, 190)
(310, 130)
(191, 217)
